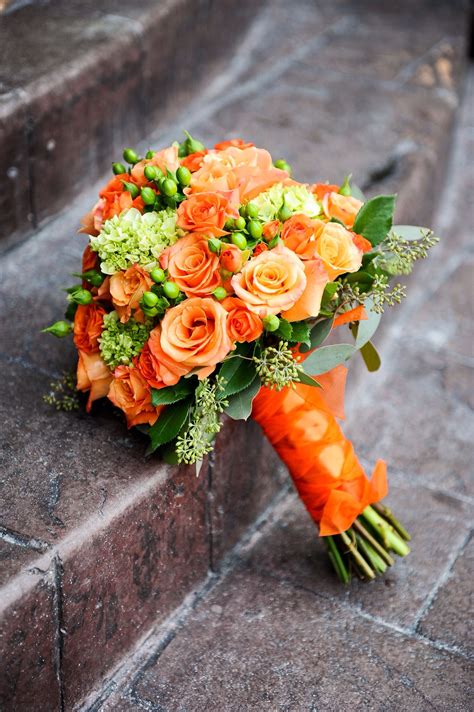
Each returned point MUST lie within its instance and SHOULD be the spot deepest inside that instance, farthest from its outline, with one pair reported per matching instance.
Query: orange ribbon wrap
(302, 427)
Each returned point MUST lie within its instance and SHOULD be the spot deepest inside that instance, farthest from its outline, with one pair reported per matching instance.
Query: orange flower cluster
(227, 288)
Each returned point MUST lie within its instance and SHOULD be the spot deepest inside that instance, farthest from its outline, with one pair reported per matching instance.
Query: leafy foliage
(375, 218)
(240, 404)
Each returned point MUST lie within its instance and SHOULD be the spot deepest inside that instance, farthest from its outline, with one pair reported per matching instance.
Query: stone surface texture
(99, 546)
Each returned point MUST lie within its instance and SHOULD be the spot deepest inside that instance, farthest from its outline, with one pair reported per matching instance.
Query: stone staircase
(108, 557)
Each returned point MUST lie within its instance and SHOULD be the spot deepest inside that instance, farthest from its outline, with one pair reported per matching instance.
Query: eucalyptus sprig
(204, 421)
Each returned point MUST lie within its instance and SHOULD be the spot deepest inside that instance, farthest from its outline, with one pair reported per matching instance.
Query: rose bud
(231, 258)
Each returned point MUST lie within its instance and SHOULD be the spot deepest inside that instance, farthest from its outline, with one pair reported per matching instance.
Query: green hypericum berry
(93, 277)
(148, 195)
(130, 156)
(271, 322)
(252, 210)
(81, 296)
(215, 245)
(345, 188)
(239, 240)
(283, 165)
(255, 229)
(240, 223)
(150, 311)
(150, 154)
(192, 145)
(230, 224)
(132, 188)
(285, 213)
(118, 168)
(59, 329)
(220, 293)
(168, 187)
(183, 175)
(158, 275)
(150, 299)
(171, 290)
(151, 172)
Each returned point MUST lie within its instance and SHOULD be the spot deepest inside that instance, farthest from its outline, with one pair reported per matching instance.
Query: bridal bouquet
(210, 281)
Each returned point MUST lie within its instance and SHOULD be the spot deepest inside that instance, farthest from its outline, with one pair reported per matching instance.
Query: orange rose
(272, 282)
(341, 207)
(259, 248)
(166, 159)
(192, 265)
(242, 324)
(271, 230)
(194, 334)
(193, 162)
(309, 304)
(206, 213)
(155, 366)
(90, 259)
(361, 243)
(93, 374)
(127, 289)
(321, 189)
(130, 392)
(298, 234)
(88, 322)
(231, 258)
(336, 248)
(234, 142)
(114, 199)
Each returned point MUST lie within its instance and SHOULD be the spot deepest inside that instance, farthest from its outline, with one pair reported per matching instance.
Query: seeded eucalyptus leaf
(375, 218)
(300, 333)
(168, 424)
(319, 333)
(240, 404)
(308, 381)
(371, 357)
(238, 374)
(285, 330)
(366, 328)
(410, 232)
(327, 357)
(173, 394)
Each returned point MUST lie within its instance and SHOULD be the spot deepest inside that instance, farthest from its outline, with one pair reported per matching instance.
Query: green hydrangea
(296, 197)
(119, 343)
(132, 238)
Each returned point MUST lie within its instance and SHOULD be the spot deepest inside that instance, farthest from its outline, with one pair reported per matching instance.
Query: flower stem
(358, 558)
(388, 515)
(337, 561)
(389, 536)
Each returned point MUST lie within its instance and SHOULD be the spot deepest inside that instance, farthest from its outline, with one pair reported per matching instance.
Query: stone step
(80, 80)
(97, 544)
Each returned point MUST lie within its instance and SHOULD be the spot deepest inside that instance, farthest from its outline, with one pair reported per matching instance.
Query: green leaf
(172, 394)
(375, 218)
(410, 232)
(238, 373)
(329, 291)
(168, 424)
(364, 280)
(327, 357)
(371, 357)
(357, 193)
(240, 404)
(308, 381)
(319, 333)
(367, 327)
(301, 333)
(285, 330)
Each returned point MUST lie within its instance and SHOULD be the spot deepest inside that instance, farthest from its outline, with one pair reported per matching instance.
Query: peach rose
(127, 289)
(114, 198)
(213, 176)
(298, 234)
(165, 159)
(271, 230)
(336, 248)
(341, 207)
(206, 213)
(130, 392)
(194, 334)
(93, 374)
(155, 366)
(192, 265)
(309, 304)
(231, 258)
(88, 323)
(272, 282)
(242, 324)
